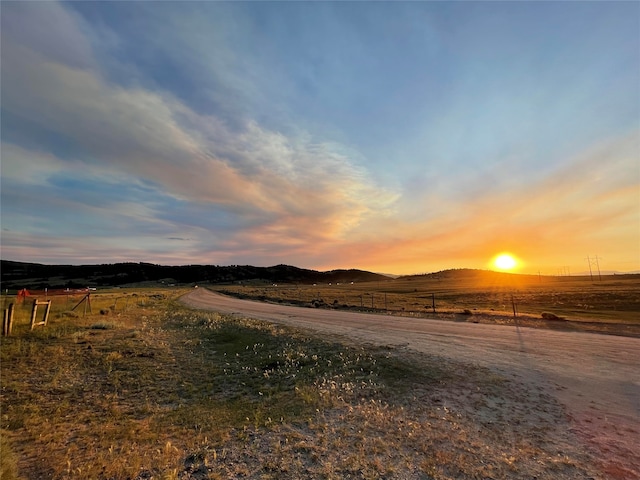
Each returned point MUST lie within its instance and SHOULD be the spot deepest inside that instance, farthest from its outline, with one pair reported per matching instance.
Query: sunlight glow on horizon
(505, 261)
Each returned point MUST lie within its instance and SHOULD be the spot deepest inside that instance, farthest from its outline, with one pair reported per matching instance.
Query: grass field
(147, 388)
(614, 300)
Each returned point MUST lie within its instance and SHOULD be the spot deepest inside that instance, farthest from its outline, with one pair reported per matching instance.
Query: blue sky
(400, 137)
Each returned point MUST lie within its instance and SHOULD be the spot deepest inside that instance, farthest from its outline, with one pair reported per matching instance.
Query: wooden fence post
(34, 313)
(11, 308)
(7, 323)
(34, 310)
(46, 312)
(87, 301)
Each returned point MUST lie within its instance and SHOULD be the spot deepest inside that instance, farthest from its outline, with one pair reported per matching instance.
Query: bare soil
(595, 378)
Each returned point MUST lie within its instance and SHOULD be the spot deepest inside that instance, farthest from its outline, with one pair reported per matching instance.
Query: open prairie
(607, 305)
(139, 386)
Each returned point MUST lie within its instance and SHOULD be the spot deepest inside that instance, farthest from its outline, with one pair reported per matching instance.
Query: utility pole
(598, 265)
(590, 272)
(594, 261)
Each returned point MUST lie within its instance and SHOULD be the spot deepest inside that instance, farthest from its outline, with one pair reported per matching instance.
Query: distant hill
(459, 274)
(477, 275)
(15, 275)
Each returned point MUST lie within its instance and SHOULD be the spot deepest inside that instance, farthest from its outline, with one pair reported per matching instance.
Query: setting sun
(505, 261)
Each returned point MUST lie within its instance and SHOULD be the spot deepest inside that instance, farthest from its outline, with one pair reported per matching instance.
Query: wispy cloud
(282, 188)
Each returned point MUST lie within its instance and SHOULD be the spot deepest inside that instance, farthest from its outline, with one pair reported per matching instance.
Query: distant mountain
(16, 275)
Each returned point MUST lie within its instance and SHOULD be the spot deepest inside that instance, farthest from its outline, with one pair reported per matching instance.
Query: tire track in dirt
(596, 377)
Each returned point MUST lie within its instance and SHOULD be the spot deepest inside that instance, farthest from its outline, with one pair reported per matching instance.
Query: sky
(395, 137)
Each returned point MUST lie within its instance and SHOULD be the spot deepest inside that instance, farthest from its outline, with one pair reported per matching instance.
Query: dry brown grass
(608, 306)
(161, 391)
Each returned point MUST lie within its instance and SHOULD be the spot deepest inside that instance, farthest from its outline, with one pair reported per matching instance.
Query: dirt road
(596, 377)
